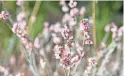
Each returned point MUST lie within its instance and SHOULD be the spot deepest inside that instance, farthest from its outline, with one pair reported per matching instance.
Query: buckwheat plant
(65, 48)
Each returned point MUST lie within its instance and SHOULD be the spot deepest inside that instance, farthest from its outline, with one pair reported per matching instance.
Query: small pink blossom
(51, 28)
(66, 18)
(107, 28)
(57, 51)
(4, 15)
(31, 46)
(82, 11)
(56, 40)
(74, 11)
(70, 42)
(21, 16)
(66, 33)
(72, 22)
(65, 61)
(88, 41)
(113, 27)
(22, 24)
(20, 2)
(15, 25)
(46, 24)
(37, 42)
(18, 27)
(57, 27)
(65, 8)
(22, 34)
(92, 61)
(64, 56)
(79, 48)
(75, 59)
(84, 25)
(72, 3)
(24, 41)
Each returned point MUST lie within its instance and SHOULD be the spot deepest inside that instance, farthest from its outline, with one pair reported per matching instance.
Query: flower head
(82, 11)
(20, 2)
(37, 42)
(72, 3)
(21, 16)
(4, 15)
(74, 11)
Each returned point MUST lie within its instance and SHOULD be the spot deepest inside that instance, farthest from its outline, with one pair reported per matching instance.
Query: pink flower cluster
(84, 28)
(68, 40)
(4, 15)
(117, 33)
(22, 34)
(64, 54)
(19, 28)
(91, 62)
(72, 3)
(73, 11)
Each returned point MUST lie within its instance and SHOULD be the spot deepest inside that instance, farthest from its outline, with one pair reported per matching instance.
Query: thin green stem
(33, 15)
(94, 28)
(94, 24)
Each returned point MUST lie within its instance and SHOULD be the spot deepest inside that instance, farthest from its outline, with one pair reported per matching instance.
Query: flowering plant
(64, 47)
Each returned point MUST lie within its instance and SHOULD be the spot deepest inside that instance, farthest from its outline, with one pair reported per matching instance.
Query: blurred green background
(106, 12)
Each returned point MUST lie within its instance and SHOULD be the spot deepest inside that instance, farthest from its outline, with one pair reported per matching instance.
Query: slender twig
(111, 49)
(47, 65)
(104, 54)
(33, 15)
(94, 24)
(34, 64)
(94, 29)
(69, 70)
